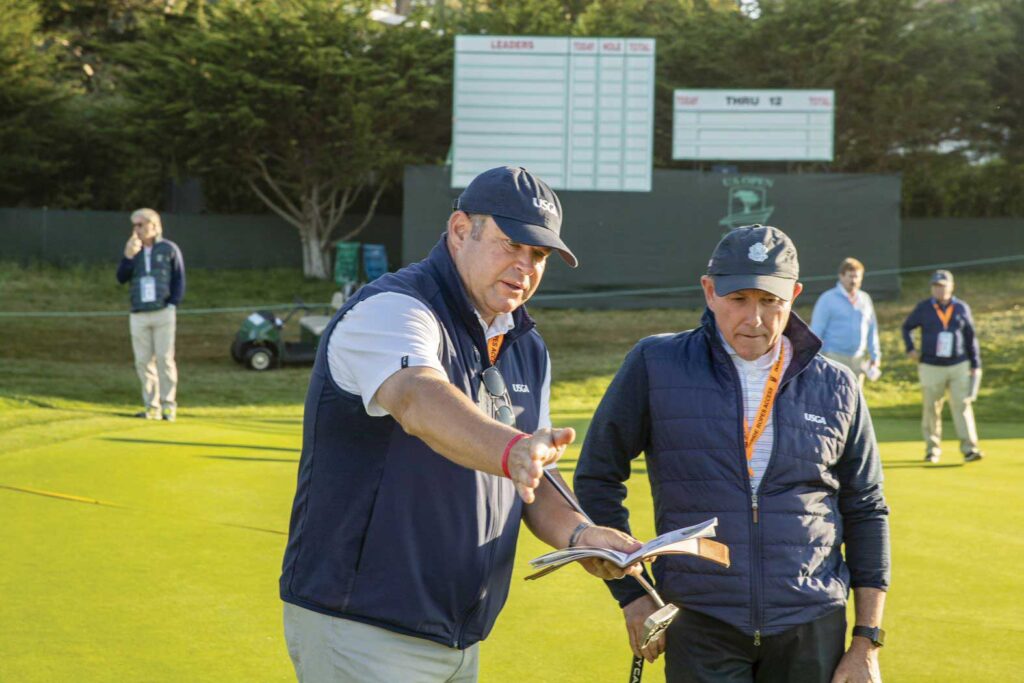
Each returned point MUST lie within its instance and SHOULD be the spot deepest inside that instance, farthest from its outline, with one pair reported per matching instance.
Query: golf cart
(260, 343)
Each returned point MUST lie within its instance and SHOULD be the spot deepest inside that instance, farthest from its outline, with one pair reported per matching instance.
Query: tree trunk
(315, 255)
(317, 217)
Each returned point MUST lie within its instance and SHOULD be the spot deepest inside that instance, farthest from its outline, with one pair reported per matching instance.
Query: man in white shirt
(427, 412)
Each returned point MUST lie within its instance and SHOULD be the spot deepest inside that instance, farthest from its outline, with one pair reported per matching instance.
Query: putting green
(150, 551)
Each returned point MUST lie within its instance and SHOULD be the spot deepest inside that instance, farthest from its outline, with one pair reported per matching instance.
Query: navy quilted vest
(384, 530)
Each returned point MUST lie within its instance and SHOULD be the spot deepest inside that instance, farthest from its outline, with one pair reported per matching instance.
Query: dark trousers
(701, 649)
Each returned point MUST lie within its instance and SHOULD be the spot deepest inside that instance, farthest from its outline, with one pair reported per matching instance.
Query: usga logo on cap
(758, 252)
(545, 205)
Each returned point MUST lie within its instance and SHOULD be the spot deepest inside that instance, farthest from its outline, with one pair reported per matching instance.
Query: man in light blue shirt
(844, 318)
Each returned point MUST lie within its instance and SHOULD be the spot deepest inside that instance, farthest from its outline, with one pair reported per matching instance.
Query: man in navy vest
(949, 358)
(743, 420)
(156, 270)
(426, 430)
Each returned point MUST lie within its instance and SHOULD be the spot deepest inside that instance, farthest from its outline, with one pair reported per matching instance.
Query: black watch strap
(872, 633)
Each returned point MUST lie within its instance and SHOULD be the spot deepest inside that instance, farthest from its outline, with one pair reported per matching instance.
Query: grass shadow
(245, 458)
(160, 442)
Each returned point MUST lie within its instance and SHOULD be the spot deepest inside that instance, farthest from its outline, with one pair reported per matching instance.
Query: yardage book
(691, 540)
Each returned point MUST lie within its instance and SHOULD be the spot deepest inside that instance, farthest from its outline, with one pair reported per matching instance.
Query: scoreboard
(578, 112)
(753, 125)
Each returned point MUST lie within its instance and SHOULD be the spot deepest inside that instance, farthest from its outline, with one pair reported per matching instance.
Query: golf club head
(658, 622)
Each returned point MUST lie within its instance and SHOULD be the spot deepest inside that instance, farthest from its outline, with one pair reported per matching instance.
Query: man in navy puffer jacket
(743, 420)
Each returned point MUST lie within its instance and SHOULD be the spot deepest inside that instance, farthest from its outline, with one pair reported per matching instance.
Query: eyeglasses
(501, 402)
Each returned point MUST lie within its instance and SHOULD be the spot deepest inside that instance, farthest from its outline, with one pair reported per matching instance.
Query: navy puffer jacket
(677, 398)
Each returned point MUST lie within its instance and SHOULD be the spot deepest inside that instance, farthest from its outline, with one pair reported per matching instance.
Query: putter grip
(636, 669)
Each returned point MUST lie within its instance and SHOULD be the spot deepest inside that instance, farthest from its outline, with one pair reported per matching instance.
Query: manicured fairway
(148, 551)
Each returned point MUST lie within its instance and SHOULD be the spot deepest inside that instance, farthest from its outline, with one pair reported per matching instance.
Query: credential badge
(758, 252)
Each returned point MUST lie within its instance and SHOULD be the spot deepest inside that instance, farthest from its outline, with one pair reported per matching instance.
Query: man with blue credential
(742, 419)
(427, 427)
(156, 270)
(844, 319)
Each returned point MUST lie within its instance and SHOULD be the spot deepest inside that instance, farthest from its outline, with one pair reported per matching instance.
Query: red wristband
(508, 450)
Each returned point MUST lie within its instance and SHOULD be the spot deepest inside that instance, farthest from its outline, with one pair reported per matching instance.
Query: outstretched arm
(428, 407)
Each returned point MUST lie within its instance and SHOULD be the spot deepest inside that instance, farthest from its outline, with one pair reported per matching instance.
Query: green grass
(164, 565)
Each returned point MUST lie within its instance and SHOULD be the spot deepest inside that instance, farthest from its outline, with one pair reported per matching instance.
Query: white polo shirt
(753, 376)
(368, 345)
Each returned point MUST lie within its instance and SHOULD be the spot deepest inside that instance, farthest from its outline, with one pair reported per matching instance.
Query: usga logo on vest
(520, 388)
(814, 418)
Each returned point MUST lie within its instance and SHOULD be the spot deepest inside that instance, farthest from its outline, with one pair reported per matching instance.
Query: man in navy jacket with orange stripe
(742, 419)
(948, 358)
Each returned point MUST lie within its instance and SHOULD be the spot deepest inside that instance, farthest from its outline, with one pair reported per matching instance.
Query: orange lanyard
(494, 346)
(764, 412)
(944, 317)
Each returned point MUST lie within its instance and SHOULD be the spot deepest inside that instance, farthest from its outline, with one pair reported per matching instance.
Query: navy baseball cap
(522, 205)
(755, 257)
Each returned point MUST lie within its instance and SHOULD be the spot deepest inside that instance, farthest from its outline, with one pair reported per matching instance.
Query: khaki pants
(153, 345)
(855, 363)
(935, 379)
(327, 649)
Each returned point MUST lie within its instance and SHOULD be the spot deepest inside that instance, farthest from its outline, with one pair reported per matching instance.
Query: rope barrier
(540, 298)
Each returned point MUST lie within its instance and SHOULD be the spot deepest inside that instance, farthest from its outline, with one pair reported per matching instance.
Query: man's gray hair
(151, 216)
(479, 221)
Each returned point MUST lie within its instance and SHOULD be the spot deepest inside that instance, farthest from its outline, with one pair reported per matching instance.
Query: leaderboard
(753, 125)
(578, 112)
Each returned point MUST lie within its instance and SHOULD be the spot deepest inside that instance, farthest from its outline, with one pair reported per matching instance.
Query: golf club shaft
(571, 499)
(650, 590)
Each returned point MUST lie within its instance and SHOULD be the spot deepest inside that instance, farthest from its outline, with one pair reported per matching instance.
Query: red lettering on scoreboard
(612, 47)
(511, 44)
(584, 46)
(639, 47)
(687, 100)
(820, 101)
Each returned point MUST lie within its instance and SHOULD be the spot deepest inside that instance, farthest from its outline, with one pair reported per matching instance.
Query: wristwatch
(872, 633)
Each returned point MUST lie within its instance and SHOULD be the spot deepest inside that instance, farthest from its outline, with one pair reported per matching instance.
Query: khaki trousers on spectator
(153, 345)
(935, 379)
(327, 649)
(855, 363)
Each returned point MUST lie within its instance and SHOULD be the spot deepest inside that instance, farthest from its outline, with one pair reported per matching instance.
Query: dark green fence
(207, 241)
(650, 248)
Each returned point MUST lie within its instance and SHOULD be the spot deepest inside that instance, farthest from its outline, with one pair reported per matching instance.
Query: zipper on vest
(753, 504)
(755, 576)
(457, 640)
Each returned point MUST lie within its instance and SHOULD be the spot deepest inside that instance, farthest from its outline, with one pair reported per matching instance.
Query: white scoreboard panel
(753, 125)
(578, 112)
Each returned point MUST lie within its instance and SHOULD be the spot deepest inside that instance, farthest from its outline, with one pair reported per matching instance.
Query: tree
(1009, 82)
(309, 103)
(909, 76)
(31, 105)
